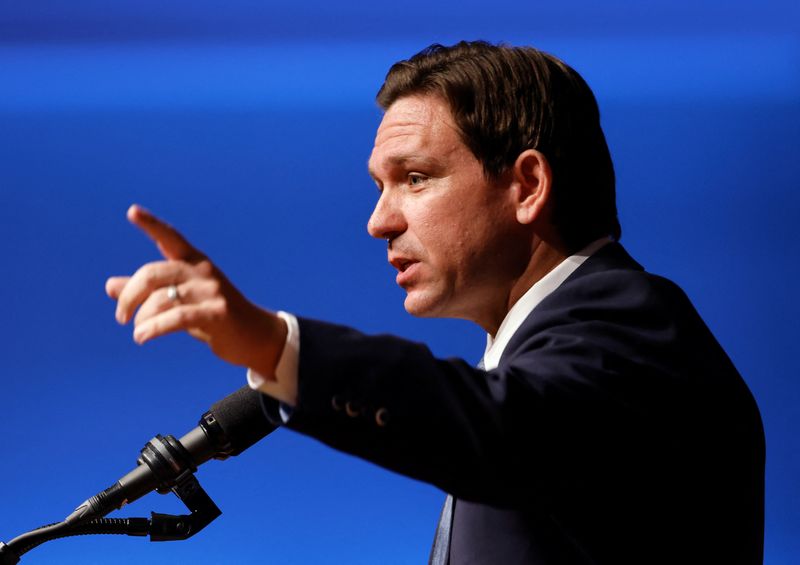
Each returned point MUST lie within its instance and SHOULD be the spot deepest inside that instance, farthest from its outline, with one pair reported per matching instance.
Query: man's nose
(387, 220)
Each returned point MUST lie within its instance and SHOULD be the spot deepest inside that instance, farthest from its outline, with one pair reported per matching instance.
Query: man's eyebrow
(400, 160)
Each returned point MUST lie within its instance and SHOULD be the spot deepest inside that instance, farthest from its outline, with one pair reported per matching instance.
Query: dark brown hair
(508, 99)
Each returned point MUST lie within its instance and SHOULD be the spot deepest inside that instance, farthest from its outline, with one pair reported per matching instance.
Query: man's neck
(543, 259)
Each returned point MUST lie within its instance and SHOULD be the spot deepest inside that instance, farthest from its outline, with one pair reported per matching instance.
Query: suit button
(352, 409)
(382, 417)
(337, 403)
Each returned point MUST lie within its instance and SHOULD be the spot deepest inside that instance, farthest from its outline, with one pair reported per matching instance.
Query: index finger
(168, 240)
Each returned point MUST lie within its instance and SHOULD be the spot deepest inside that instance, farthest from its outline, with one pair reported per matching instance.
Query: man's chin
(422, 305)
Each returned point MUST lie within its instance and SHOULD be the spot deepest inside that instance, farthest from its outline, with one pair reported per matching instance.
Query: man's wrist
(278, 377)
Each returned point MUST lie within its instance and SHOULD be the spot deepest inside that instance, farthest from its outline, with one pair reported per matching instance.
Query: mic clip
(165, 527)
(171, 463)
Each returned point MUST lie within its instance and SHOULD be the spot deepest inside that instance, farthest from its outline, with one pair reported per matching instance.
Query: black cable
(107, 526)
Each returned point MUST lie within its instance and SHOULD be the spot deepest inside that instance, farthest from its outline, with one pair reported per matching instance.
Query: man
(605, 425)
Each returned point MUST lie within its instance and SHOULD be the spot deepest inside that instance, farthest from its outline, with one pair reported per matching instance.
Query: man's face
(450, 230)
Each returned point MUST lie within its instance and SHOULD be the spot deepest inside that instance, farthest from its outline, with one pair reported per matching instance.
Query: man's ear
(533, 179)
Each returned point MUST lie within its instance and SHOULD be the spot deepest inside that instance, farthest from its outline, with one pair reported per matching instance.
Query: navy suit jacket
(614, 430)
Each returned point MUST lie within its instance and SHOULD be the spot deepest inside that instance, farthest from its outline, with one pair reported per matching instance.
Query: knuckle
(182, 317)
(214, 287)
(204, 268)
(219, 308)
(149, 273)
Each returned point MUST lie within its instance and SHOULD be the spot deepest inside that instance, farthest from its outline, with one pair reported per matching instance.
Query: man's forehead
(417, 114)
(416, 106)
(408, 129)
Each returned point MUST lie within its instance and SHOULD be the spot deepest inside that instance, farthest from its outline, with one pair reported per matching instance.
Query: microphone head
(241, 418)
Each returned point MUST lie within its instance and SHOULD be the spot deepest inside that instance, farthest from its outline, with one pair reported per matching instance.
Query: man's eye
(416, 179)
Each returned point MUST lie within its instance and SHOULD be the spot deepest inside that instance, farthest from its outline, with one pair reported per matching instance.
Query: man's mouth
(401, 263)
(405, 269)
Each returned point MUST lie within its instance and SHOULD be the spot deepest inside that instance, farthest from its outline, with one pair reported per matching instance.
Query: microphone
(231, 425)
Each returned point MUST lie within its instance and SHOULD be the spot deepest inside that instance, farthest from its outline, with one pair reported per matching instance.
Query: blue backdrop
(248, 125)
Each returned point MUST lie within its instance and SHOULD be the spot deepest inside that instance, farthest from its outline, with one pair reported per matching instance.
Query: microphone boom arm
(174, 468)
(165, 464)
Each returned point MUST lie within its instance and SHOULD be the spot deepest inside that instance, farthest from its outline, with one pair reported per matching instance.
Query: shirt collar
(532, 297)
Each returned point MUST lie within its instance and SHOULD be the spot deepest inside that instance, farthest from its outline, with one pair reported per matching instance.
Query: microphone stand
(174, 469)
